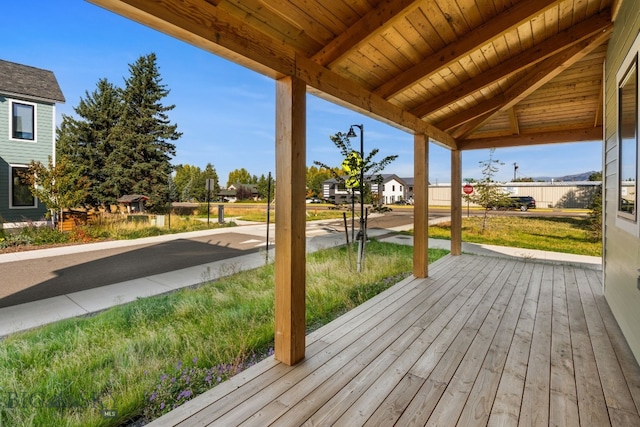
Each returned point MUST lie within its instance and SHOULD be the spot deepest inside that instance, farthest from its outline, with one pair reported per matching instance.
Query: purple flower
(162, 406)
(153, 396)
(195, 360)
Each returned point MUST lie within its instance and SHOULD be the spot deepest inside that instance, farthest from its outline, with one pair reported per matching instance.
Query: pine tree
(210, 173)
(86, 142)
(140, 160)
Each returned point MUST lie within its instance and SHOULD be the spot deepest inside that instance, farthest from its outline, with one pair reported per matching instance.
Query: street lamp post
(361, 232)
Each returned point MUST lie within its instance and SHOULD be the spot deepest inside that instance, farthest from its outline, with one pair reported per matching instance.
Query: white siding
(621, 248)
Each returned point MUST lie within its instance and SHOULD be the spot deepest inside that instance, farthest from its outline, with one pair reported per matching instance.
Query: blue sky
(225, 112)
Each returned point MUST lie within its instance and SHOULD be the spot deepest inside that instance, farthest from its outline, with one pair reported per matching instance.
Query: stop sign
(468, 189)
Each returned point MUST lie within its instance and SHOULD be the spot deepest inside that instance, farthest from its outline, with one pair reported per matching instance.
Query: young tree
(86, 142)
(58, 186)
(263, 187)
(352, 165)
(486, 193)
(140, 160)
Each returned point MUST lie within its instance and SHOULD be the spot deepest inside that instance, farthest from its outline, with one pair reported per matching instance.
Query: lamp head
(351, 133)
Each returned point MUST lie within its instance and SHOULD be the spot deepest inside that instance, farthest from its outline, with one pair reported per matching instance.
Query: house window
(393, 188)
(23, 121)
(628, 141)
(21, 196)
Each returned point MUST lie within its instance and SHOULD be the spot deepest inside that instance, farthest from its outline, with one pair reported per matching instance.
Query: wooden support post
(290, 258)
(456, 202)
(421, 205)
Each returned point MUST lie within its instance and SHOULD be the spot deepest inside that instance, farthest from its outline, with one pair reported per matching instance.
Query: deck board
(481, 341)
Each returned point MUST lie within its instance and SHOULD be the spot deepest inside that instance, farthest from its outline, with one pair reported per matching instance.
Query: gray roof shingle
(29, 82)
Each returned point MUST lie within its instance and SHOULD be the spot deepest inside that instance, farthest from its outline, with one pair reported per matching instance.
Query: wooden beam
(421, 205)
(290, 260)
(597, 120)
(456, 202)
(537, 77)
(492, 29)
(615, 9)
(589, 133)
(513, 121)
(203, 25)
(526, 59)
(215, 30)
(373, 23)
(345, 92)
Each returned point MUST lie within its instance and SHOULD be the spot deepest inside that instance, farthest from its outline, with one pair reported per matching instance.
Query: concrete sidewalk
(30, 315)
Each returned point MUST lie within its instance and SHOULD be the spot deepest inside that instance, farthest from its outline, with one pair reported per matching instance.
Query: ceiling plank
(532, 56)
(206, 26)
(344, 92)
(542, 73)
(573, 135)
(374, 22)
(480, 36)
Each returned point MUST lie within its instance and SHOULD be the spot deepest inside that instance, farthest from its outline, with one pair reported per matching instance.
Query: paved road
(45, 277)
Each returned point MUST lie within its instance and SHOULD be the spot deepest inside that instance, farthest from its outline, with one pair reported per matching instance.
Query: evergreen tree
(86, 142)
(140, 160)
(210, 173)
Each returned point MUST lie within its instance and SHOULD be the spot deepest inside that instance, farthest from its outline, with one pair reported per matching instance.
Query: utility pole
(515, 169)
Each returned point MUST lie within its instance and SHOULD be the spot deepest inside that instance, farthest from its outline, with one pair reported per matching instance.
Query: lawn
(557, 234)
(149, 355)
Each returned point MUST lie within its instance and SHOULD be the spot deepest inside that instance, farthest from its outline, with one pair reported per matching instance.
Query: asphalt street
(50, 276)
(43, 277)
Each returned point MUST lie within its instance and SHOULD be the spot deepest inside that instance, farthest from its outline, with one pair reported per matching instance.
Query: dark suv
(522, 202)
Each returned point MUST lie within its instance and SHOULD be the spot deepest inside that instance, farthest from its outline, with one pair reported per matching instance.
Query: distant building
(28, 98)
(391, 190)
(232, 193)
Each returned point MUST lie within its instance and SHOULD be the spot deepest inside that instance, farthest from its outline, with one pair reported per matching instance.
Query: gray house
(28, 97)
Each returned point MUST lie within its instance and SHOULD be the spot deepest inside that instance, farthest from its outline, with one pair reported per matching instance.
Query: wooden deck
(482, 341)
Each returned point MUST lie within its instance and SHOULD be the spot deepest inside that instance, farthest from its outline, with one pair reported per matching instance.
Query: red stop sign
(468, 189)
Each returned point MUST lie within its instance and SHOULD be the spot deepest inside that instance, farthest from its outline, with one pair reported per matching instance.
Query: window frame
(34, 112)
(11, 194)
(625, 221)
(632, 68)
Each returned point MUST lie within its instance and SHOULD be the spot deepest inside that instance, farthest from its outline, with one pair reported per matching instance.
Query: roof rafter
(540, 75)
(372, 23)
(503, 22)
(206, 26)
(528, 58)
(590, 133)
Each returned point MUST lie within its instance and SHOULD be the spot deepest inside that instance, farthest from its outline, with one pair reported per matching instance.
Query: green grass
(258, 215)
(115, 359)
(557, 234)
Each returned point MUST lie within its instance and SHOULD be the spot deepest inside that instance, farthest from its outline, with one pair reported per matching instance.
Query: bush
(33, 235)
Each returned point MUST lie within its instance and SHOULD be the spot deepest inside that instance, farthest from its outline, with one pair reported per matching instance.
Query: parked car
(313, 200)
(522, 203)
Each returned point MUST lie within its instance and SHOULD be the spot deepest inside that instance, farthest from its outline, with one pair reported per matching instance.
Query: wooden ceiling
(469, 73)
